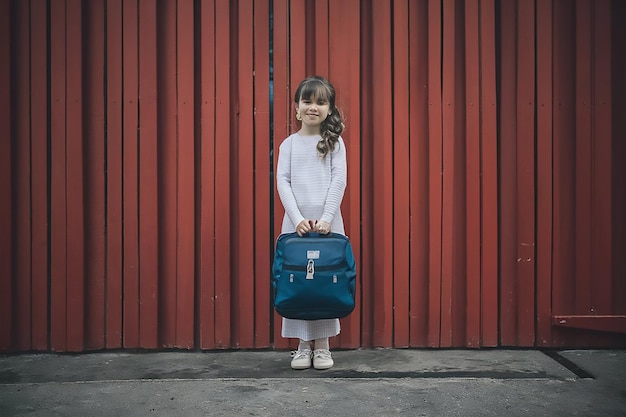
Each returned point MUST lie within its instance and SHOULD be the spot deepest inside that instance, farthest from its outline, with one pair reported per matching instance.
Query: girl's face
(313, 110)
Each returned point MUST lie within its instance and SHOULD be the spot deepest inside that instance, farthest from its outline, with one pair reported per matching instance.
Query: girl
(311, 179)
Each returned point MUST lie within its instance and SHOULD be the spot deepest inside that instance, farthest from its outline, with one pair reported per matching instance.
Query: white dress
(310, 187)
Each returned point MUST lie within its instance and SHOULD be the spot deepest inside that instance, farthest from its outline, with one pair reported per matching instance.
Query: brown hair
(332, 126)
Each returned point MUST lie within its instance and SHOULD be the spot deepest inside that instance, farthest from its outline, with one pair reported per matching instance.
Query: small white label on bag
(313, 254)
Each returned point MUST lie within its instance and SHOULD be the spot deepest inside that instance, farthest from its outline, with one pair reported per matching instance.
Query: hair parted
(332, 127)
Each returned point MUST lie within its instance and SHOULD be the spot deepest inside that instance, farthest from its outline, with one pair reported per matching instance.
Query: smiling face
(314, 101)
(313, 111)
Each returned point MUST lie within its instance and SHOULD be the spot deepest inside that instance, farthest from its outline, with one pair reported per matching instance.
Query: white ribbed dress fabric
(310, 188)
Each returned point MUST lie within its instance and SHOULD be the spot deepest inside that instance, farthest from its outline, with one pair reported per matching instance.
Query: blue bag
(314, 276)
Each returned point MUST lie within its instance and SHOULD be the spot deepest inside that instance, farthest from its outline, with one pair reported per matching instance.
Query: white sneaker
(322, 359)
(301, 359)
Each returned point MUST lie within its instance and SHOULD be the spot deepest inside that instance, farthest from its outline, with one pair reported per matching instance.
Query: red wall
(484, 196)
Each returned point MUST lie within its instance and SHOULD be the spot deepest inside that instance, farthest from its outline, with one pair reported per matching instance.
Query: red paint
(603, 182)
(419, 178)
(95, 199)
(185, 311)
(435, 167)
(401, 162)
(563, 170)
(168, 173)
(130, 277)
(262, 265)
(223, 181)
(58, 225)
(205, 191)
(114, 178)
(472, 176)
(6, 179)
(484, 185)
(544, 173)
(525, 241)
(381, 164)
(283, 113)
(148, 176)
(243, 177)
(489, 177)
(22, 149)
(506, 176)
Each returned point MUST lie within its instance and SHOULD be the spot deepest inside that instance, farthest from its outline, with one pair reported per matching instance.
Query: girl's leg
(304, 345)
(322, 344)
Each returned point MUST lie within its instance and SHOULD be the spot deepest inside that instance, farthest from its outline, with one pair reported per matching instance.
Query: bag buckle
(310, 269)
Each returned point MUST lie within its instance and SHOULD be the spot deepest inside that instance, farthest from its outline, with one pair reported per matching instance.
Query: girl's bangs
(315, 90)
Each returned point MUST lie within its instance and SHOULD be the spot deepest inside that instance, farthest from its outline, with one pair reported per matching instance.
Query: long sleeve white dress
(310, 187)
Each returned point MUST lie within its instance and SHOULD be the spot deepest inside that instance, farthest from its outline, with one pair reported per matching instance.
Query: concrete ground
(376, 382)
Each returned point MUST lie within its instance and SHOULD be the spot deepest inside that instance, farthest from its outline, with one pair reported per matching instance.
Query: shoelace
(322, 353)
(300, 354)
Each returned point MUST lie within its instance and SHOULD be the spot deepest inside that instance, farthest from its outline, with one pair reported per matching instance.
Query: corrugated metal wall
(484, 187)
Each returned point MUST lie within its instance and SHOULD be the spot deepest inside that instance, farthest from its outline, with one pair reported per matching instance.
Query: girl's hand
(323, 227)
(304, 227)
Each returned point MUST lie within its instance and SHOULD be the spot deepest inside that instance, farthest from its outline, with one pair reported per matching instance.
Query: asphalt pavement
(364, 382)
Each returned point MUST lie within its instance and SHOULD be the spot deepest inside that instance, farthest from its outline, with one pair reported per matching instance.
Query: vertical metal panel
(602, 184)
(435, 162)
(171, 160)
(489, 180)
(38, 180)
(95, 312)
(454, 200)
(618, 120)
(517, 174)
(583, 144)
(168, 167)
(563, 222)
(525, 175)
(418, 170)
(22, 287)
(322, 19)
(379, 137)
(130, 75)
(205, 267)
(262, 197)
(401, 189)
(243, 159)
(114, 176)
(282, 115)
(450, 154)
(223, 180)
(507, 161)
(472, 176)
(544, 172)
(186, 175)
(367, 255)
(582, 161)
(6, 179)
(147, 175)
(58, 227)
(74, 169)
(602, 148)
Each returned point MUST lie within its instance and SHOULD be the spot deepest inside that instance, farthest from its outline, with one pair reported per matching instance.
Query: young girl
(311, 179)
